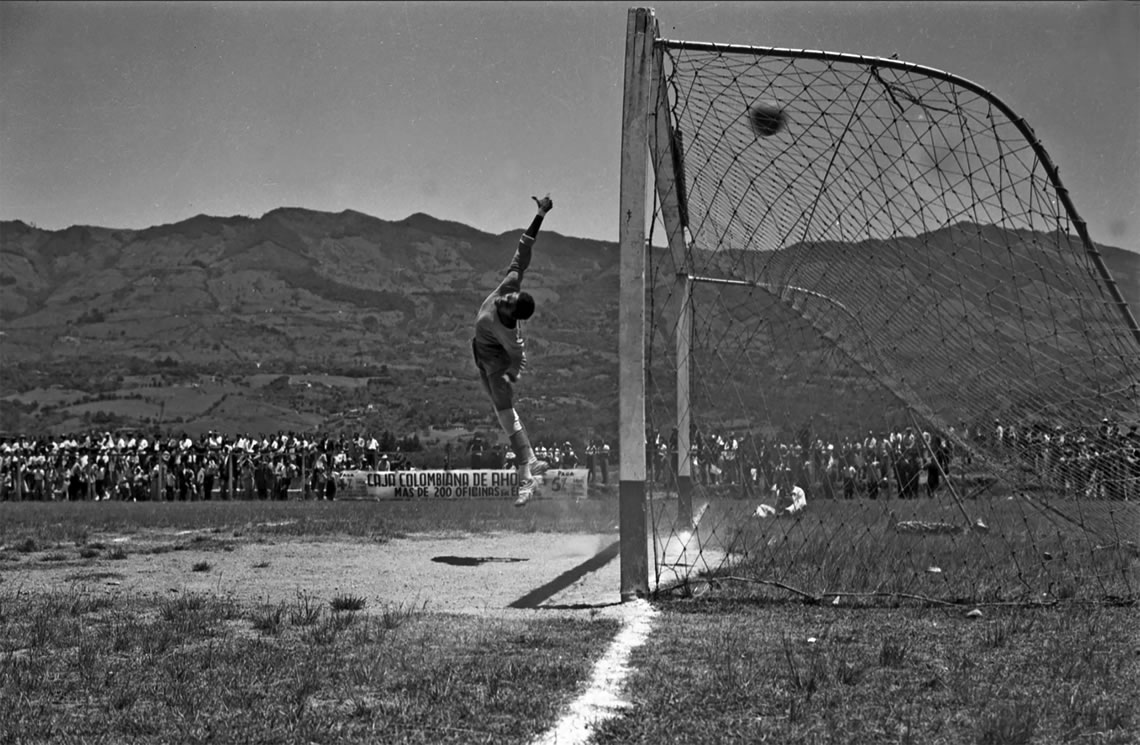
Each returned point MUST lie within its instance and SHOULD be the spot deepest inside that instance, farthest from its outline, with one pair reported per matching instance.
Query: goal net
(882, 356)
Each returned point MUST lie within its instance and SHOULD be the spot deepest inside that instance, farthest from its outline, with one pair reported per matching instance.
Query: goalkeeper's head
(518, 305)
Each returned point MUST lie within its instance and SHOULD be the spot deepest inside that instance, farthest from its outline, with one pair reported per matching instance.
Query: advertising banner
(561, 483)
(564, 483)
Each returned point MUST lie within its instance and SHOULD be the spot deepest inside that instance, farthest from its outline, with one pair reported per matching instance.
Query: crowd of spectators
(596, 460)
(1100, 461)
(137, 467)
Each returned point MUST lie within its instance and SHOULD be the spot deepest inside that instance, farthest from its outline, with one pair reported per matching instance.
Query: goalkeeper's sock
(521, 446)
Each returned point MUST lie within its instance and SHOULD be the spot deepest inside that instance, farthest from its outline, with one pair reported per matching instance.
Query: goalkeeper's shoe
(526, 491)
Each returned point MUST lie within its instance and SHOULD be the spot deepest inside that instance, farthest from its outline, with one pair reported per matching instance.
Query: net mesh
(892, 311)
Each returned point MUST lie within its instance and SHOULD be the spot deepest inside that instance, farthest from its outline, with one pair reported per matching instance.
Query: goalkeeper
(499, 353)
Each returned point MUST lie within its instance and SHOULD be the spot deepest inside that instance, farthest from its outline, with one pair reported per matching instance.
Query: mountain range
(340, 298)
(303, 320)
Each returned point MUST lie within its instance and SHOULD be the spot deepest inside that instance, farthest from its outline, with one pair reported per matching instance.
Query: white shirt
(796, 500)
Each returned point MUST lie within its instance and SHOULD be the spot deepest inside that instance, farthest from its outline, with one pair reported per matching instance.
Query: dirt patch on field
(496, 573)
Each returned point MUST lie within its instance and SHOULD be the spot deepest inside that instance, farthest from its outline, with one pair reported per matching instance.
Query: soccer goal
(867, 347)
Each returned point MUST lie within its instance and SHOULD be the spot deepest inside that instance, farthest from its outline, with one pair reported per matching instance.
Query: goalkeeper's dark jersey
(498, 347)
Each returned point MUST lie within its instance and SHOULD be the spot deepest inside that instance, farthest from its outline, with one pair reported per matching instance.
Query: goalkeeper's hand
(544, 205)
(511, 377)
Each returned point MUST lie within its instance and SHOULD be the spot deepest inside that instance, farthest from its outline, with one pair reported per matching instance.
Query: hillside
(304, 320)
(293, 292)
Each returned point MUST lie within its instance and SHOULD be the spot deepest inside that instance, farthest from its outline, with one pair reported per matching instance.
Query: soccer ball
(766, 119)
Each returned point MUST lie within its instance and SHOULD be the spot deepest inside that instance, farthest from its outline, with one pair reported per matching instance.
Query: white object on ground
(793, 503)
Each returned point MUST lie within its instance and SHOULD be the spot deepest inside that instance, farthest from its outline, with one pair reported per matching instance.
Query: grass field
(83, 663)
(1008, 549)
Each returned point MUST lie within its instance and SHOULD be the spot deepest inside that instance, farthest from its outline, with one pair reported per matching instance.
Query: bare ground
(495, 573)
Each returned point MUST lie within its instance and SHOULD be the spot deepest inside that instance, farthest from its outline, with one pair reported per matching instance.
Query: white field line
(602, 698)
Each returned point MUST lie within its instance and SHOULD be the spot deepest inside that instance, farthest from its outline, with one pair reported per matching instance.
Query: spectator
(281, 479)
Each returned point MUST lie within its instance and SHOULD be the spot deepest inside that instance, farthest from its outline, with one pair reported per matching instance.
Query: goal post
(640, 35)
(646, 130)
(887, 308)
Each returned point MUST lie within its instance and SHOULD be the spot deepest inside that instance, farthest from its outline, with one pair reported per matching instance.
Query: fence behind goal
(898, 268)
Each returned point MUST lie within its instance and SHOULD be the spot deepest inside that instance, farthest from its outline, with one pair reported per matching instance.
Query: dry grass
(745, 672)
(729, 666)
(76, 667)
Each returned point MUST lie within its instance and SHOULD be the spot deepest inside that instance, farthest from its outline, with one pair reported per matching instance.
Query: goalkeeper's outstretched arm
(521, 260)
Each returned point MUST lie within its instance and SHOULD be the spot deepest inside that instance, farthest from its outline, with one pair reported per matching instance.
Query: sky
(129, 115)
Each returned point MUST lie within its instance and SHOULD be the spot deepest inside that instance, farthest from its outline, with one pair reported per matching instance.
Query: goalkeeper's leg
(529, 467)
